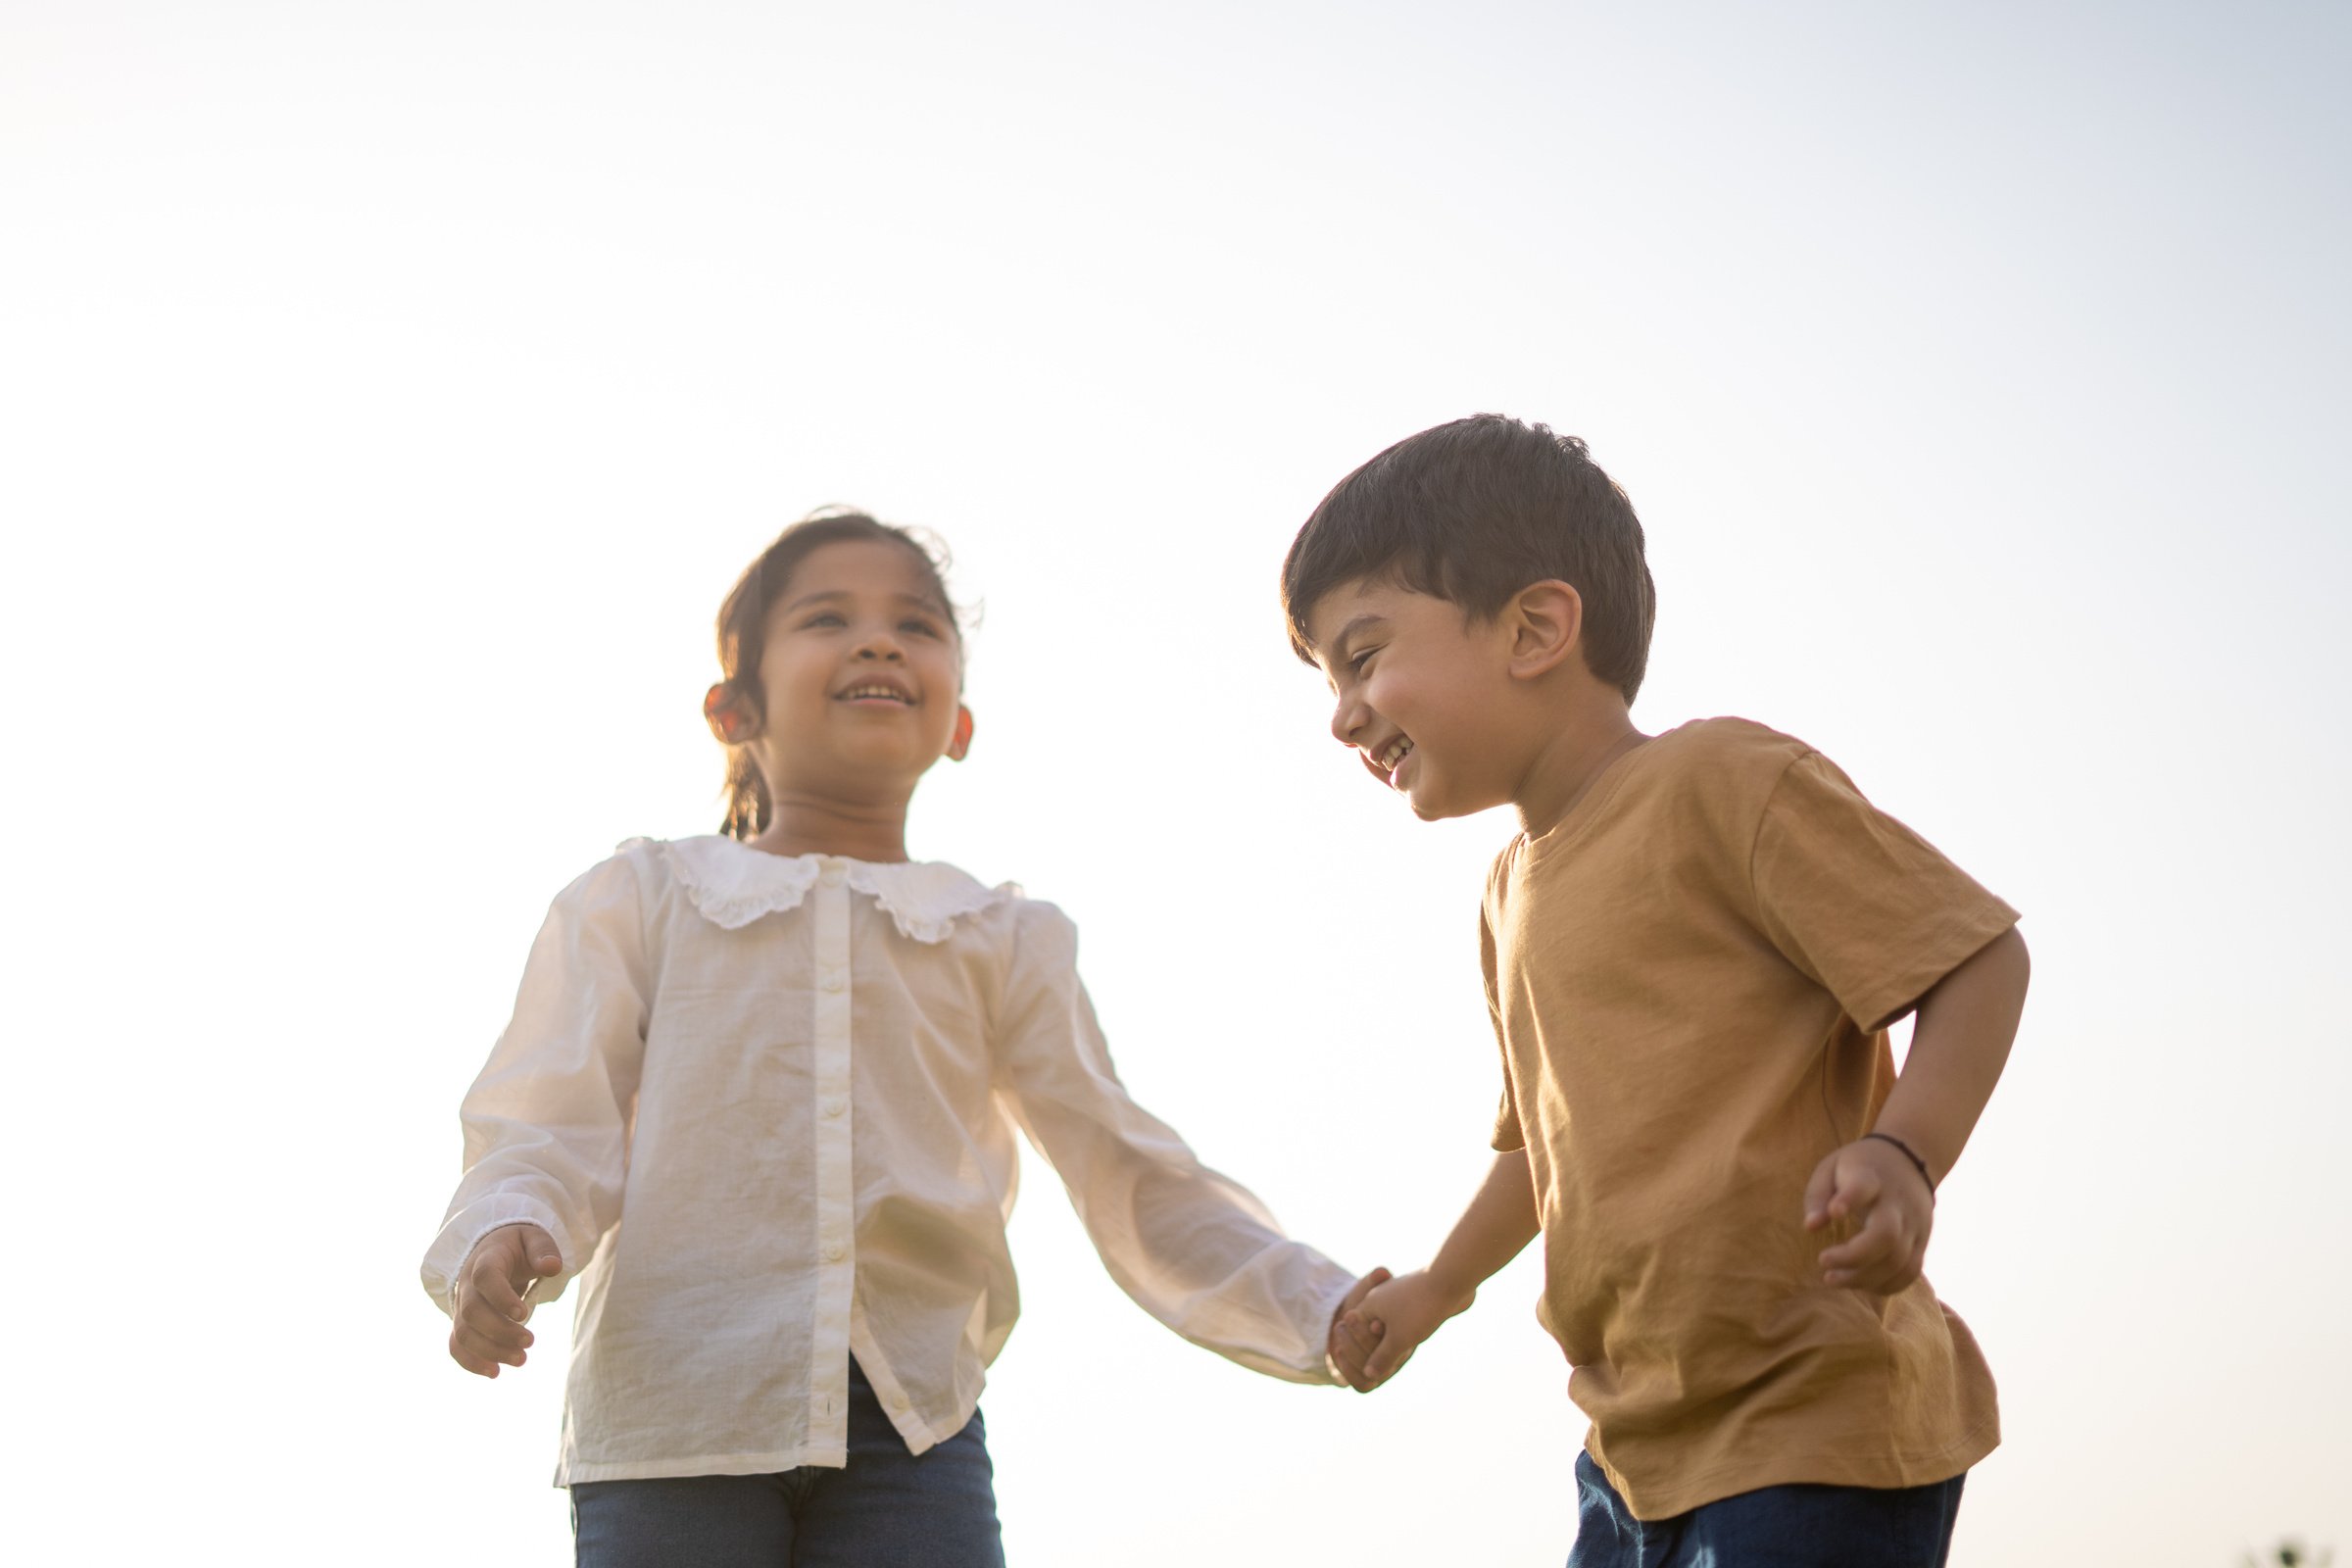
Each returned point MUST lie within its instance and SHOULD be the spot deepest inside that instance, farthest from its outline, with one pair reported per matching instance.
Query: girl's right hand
(486, 1328)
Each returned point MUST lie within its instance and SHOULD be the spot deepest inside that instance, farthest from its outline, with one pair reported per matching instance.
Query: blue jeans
(938, 1510)
(1773, 1527)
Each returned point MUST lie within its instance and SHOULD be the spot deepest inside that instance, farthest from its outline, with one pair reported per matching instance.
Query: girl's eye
(922, 628)
(824, 618)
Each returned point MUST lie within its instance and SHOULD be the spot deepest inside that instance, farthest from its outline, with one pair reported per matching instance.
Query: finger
(1385, 1364)
(1351, 1347)
(1363, 1287)
(1824, 1182)
(477, 1317)
(1359, 1291)
(1880, 1240)
(1857, 1190)
(540, 1255)
(480, 1366)
(476, 1345)
(1874, 1258)
(494, 1288)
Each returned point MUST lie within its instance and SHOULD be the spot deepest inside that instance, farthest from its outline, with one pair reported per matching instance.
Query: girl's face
(862, 673)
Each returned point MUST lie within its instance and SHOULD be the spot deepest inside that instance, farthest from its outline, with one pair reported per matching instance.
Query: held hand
(486, 1328)
(1351, 1341)
(1396, 1318)
(1873, 1185)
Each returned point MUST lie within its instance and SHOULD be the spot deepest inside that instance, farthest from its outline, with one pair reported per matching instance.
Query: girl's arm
(1192, 1247)
(547, 1122)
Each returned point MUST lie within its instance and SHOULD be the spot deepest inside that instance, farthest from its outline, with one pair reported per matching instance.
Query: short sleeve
(1861, 905)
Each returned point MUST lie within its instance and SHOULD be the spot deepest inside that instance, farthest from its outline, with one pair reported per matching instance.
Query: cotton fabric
(765, 1107)
(936, 1509)
(1692, 976)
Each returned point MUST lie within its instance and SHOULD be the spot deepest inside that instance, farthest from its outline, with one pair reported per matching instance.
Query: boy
(1693, 951)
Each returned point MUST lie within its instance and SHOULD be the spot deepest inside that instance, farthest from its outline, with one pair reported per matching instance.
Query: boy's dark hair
(1473, 512)
(743, 633)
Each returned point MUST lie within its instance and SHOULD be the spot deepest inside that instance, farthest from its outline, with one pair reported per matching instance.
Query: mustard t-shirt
(1692, 977)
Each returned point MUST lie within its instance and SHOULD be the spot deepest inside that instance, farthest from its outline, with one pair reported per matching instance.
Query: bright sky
(389, 394)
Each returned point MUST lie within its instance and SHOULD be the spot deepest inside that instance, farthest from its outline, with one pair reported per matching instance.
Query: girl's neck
(802, 824)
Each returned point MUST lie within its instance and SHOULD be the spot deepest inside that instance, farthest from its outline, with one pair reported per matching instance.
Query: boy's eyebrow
(1338, 642)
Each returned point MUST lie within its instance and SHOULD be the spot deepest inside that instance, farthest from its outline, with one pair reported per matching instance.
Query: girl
(792, 1059)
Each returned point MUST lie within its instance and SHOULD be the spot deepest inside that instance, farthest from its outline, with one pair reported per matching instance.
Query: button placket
(831, 1127)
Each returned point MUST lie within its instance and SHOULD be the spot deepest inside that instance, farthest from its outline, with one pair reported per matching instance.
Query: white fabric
(797, 1080)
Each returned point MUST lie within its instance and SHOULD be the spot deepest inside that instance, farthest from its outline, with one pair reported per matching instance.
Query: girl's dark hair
(743, 633)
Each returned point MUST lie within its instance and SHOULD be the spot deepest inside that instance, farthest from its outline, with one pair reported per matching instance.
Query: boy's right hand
(486, 1326)
(1393, 1320)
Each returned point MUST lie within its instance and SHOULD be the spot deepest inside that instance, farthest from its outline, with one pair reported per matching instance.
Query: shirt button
(832, 876)
(834, 1252)
(834, 1107)
(833, 980)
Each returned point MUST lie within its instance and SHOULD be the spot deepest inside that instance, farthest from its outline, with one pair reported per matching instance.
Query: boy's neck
(807, 824)
(1589, 737)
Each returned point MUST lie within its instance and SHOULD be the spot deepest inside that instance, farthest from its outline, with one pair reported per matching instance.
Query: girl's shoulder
(730, 885)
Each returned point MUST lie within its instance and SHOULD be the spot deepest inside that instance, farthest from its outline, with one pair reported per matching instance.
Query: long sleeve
(546, 1124)
(1192, 1247)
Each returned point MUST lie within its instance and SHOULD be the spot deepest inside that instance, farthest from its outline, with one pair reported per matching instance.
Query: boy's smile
(1420, 694)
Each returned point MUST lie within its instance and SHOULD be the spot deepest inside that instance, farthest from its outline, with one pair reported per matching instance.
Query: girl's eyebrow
(919, 601)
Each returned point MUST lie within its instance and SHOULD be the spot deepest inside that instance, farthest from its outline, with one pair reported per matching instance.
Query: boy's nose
(1346, 719)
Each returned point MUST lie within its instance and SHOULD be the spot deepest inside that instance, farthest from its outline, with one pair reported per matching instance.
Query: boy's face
(1425, 698)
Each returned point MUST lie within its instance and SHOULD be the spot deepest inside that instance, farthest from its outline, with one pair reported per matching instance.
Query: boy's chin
(1432, 808)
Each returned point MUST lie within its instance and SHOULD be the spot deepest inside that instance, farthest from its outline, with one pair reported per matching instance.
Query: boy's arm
(1958, 1048)
(1382, 1332)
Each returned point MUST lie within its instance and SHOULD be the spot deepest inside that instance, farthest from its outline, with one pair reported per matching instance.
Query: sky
(389, 395)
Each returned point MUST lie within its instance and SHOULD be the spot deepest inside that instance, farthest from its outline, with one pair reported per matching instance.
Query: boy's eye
(1357, 662)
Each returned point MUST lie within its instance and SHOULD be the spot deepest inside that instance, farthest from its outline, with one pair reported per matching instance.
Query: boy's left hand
(1873, 1184)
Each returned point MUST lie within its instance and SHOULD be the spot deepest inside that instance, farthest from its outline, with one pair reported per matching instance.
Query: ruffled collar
(731, 885)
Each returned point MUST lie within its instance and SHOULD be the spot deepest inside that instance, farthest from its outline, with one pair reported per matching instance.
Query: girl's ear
(1546, 623)
(730, 718)
(962, 741)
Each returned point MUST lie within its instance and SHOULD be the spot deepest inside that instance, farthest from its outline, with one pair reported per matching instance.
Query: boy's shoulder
(1697, 792)
(1708, 767)
(1711, 748)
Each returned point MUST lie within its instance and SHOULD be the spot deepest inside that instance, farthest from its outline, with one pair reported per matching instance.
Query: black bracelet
(1910, 1154)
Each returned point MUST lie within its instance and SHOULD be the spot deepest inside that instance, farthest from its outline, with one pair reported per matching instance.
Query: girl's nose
(882, 646)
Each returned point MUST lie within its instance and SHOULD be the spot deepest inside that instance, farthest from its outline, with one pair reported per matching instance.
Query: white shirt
(797, 1080)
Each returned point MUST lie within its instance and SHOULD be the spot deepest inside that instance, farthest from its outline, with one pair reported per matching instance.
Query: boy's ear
(731, 718)
(1546, 623)
(961, 742)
